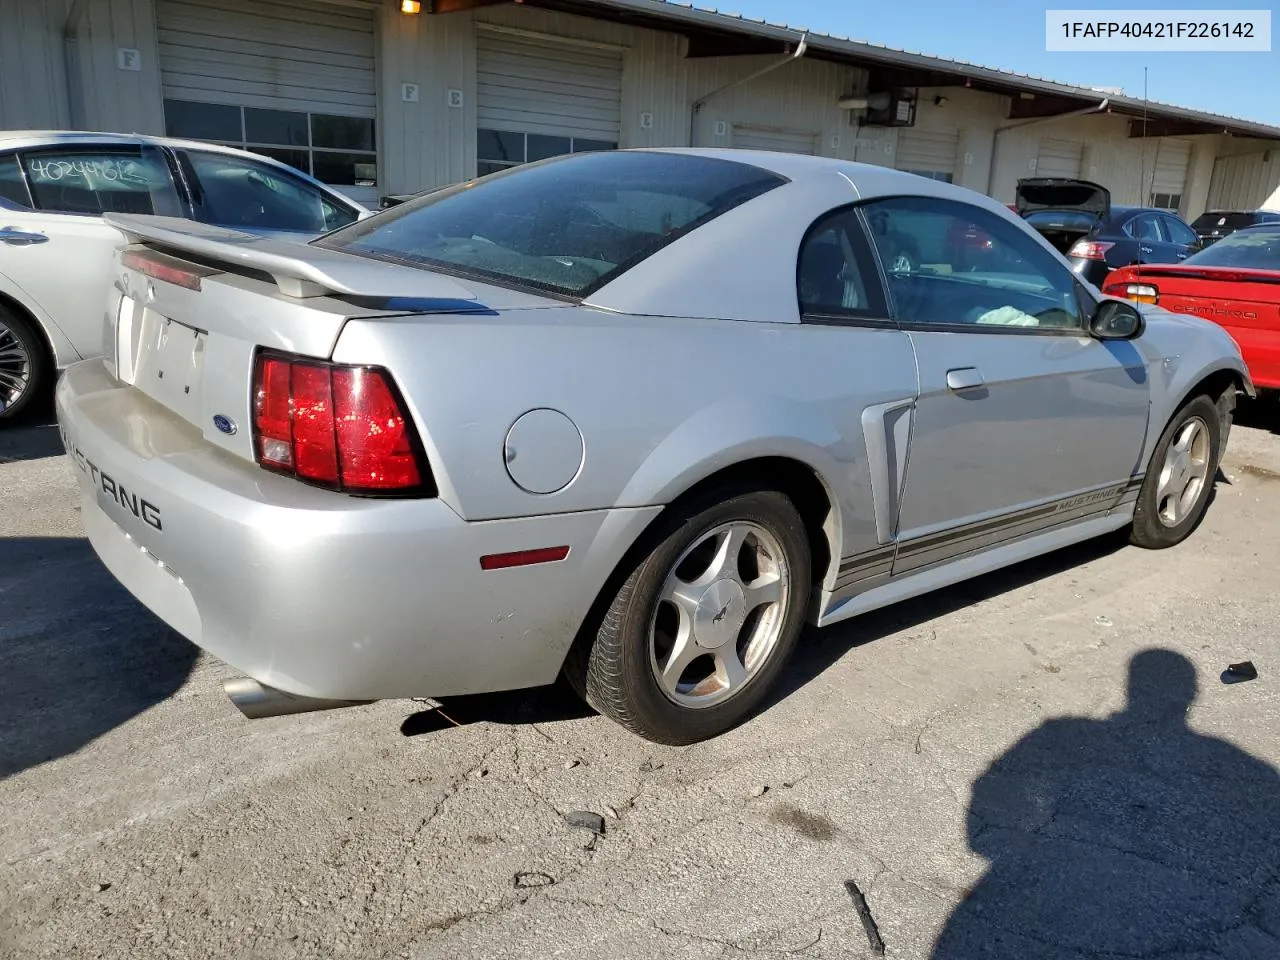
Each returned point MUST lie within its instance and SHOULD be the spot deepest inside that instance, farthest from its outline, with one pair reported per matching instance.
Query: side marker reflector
(523, 558)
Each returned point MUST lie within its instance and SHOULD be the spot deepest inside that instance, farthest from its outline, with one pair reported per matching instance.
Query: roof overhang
(713, 34)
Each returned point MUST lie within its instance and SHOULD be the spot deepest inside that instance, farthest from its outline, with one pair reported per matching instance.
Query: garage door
(292, 79)
(1059, 158)
(1170, 177)
(778, 141)
(538, 98)
(929, 153)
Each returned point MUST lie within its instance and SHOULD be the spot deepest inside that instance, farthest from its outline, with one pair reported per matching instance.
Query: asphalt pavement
(1044, 763)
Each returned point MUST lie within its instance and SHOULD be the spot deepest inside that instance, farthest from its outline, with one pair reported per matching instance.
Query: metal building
(394, 96)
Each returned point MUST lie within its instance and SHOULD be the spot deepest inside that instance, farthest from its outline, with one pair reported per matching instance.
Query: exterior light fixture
(410, 6)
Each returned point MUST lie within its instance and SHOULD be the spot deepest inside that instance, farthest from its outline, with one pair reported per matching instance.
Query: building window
(333, 149)
(932, 175)
(1166, 201)
(497, 149)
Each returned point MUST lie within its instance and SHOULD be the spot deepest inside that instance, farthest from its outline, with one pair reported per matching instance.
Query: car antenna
(1142, 168)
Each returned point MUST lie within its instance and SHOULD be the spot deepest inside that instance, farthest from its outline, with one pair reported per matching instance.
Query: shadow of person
(1131, 836)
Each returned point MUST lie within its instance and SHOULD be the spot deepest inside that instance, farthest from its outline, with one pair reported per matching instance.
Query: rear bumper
(315, 593)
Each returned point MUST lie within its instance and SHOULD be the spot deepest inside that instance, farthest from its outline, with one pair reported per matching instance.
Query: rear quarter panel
(660, 403)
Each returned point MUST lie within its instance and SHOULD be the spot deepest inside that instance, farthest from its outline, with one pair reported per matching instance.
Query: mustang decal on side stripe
(1087, 498)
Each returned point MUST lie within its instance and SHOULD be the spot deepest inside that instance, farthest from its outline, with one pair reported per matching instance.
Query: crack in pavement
(675, 933)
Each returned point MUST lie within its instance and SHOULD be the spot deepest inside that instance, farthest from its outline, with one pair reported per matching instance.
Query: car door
(246, 194)
(1149, 238)
(1023, 421)
(1182, 239)
(57, 248)
(844, 314)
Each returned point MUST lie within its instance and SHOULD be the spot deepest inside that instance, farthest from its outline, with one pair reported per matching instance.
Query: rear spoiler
(300, 270)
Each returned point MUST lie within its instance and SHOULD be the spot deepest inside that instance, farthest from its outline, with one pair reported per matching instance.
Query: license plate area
(169, 363)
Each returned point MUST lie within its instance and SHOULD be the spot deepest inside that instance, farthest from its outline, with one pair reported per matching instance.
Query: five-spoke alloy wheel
(704, 620)
(1175, 492)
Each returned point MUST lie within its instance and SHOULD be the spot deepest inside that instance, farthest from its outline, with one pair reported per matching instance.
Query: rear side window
(102, 180)
(1145, 227)
(566, 226)
(1178, 231)
(12, 187)
(836, 274)
(239, 192)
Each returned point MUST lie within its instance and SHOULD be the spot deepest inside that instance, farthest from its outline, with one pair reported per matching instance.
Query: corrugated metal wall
(34, 70)
(33, 81)
(429, 143)
(427, 130)
(1247, 181)
(112, 98)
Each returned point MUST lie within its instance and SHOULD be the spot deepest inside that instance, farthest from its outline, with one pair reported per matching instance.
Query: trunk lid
(192, 305)
(1238, 298)
(1057, 193)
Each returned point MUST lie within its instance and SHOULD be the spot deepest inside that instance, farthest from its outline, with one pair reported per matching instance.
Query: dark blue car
(1077, 217)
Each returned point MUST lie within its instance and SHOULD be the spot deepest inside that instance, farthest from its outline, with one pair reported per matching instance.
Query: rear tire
(704, 621)
(24, 364)
(1180, 477)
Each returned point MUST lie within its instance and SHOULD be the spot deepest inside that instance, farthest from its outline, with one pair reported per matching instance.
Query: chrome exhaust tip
(257, 701)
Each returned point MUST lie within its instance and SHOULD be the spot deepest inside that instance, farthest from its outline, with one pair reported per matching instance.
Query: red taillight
(1090, 249)
(336, 426)
(168, 269)
(1140, 292)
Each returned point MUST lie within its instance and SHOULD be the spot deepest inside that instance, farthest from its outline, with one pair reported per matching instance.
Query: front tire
(704, 622)
(24, 365)
(1179, 480)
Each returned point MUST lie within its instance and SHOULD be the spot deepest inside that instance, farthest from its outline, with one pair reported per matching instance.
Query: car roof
(12, 139)
(868, 180)
(29, 139)
(1216, 212)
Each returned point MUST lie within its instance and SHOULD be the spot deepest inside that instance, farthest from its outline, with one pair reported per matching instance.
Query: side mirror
(1116, 320)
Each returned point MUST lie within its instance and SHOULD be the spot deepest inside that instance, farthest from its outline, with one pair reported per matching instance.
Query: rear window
(1208, 222)
(95, 180)
(1061, 220)
(1256, 247)
(565, 226)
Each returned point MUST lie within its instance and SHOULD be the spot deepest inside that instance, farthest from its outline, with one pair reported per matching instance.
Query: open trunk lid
(1055, 193)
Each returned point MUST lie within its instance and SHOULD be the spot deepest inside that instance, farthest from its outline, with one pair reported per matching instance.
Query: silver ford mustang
(635, 417)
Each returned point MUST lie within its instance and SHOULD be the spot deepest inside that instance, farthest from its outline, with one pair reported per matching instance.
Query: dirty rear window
(1208, 222)
(565, 226)
(1256, 248)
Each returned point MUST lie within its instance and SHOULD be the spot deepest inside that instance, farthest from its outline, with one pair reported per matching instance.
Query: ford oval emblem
(224, 424)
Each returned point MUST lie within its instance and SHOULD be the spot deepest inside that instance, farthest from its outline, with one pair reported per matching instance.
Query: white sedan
(55, 248)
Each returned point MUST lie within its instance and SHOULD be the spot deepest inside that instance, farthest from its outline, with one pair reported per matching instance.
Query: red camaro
(1235, 283)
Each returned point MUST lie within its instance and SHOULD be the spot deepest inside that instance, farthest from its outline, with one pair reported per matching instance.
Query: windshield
(1255, 248)
(565, 226)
